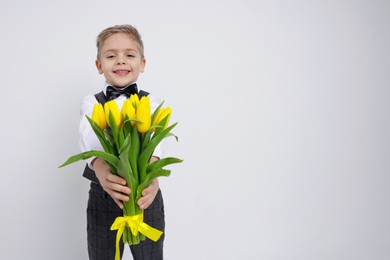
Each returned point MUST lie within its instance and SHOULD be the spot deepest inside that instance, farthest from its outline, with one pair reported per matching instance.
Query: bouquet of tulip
(129, 138)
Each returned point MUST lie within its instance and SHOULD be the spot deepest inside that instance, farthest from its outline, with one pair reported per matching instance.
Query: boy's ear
(99, 66)
(143, 63)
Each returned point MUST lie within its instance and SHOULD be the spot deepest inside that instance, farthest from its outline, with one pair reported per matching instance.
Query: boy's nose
(120, 60)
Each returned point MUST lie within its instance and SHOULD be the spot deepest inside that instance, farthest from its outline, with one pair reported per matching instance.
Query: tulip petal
(98, 116)
(143, 114)
(112, 107)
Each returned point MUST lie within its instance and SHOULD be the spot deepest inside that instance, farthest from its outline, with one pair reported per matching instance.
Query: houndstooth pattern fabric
(101, 213)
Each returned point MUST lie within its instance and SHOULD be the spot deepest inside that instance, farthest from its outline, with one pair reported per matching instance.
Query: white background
(283, 110)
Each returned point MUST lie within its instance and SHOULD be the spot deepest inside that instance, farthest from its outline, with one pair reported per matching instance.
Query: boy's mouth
(121, 72)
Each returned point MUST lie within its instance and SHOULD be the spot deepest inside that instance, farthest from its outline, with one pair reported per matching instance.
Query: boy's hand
(114, 185)
(148, 194)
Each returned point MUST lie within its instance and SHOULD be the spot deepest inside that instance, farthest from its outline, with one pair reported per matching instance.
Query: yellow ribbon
(136, 224)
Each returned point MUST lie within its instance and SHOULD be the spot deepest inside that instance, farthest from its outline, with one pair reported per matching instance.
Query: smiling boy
(120, 58)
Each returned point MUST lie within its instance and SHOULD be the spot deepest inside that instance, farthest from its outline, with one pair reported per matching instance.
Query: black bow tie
(113, 93)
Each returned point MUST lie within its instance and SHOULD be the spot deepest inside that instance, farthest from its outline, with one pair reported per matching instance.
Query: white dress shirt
(88, 140)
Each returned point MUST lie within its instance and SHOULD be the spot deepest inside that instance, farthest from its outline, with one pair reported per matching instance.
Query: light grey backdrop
(283, 110)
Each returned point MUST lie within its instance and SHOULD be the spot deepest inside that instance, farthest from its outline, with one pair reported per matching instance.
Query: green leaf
(135, 120)
(126, 127)
(121, 139)
(114, 130)
(166, 132)
(111, 159)
(110, 142)
(134, 151)
(125, 171)
(155, 112)
(159, 164)
(170, 134)
(100, 135)
(126, 144)
(148, 150)
(161, 125)
(146, 139)
(149, 178)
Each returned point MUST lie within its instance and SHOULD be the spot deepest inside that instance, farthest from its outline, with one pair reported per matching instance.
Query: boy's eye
(110, 56)
(129, 55)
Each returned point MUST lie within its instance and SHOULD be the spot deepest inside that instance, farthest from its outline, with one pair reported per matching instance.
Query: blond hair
(124, 28)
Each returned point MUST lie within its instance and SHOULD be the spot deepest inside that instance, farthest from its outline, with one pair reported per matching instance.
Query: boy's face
(120, 60)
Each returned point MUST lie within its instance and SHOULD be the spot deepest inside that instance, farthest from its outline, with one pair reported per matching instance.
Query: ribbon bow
(136, 225)
(113, 93)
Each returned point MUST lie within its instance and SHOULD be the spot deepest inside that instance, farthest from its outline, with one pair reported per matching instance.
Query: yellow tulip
(134, 100)
(128, 110)
(143, 114)
(162, 113)
(98, 116)
(112, 107)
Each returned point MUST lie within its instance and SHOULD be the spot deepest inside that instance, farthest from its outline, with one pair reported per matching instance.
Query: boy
(120, 58)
